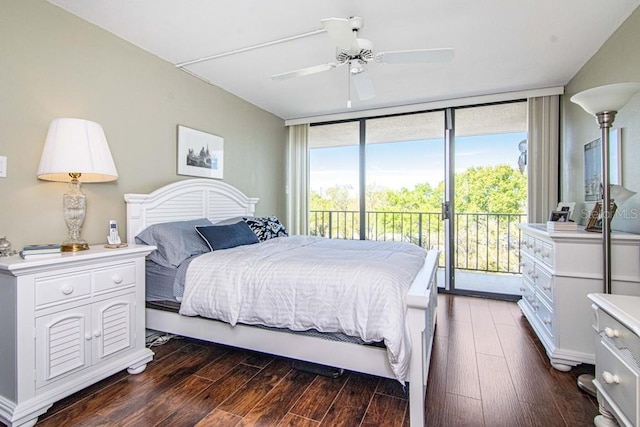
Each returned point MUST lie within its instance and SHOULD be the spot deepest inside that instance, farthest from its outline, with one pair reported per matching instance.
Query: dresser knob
(97, 334)
(609, 378)
(611, 333)
(117, 279)
(67, 290)
(87, 337)
(547, 287)
(522, 289)
(547, 320)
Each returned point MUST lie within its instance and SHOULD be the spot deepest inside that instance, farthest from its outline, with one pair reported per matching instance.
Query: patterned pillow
(266, 228)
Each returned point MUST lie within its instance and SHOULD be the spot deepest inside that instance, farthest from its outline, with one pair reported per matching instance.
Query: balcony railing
(486, 242)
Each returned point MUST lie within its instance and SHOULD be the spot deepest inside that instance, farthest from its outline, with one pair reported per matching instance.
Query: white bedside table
(617, 324)
(66, 323)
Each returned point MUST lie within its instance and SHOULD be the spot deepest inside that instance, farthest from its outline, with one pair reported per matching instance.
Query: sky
(405, 164)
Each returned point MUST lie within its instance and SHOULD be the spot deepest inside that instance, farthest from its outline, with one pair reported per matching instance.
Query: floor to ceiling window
(387, 179)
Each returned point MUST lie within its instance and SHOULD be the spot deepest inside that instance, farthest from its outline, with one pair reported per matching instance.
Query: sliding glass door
(490, 197)
(446, 180)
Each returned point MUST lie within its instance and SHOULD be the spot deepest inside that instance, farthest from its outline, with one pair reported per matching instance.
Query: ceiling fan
(357, 52)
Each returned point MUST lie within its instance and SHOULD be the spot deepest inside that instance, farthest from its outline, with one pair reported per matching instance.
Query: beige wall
(56, 65)
(618, 61)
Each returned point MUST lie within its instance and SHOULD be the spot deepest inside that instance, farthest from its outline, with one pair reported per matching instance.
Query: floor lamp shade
(76, 151)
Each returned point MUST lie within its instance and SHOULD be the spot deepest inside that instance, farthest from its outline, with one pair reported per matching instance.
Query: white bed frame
(216, 200)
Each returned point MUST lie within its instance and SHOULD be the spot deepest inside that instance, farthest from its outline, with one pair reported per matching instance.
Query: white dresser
(617, 323)
(559, 269)
(68, 322)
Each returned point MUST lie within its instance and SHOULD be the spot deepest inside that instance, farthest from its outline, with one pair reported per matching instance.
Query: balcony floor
(497, 283)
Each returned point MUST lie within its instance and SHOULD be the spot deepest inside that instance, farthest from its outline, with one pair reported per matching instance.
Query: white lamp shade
(606, 98)
(76, 146)
(620, 194)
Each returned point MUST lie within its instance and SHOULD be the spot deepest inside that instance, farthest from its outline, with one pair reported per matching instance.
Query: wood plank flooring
(488, 369)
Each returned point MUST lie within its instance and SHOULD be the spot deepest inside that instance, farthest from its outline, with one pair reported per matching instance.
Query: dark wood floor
(488, 369)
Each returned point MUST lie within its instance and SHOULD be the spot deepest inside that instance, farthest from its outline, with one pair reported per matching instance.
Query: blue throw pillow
(227, 236)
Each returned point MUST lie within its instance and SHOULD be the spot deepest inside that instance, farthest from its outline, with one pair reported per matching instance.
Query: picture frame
(594, 223)
(568, 207)
(593, 164)
(559, 216)
(199, 153)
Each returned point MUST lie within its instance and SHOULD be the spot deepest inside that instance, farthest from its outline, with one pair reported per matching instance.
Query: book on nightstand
(41, 251)
(561, 226)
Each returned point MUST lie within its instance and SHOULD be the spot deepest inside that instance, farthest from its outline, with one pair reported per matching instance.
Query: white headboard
(184, 200)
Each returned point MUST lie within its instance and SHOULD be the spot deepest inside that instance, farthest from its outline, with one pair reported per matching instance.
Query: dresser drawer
(619, 335)
(114, 276)
(619, 380)
(527, 244)
(543, 251)
(544, 282)
(545, 314)
(61, 288)
(528, 293)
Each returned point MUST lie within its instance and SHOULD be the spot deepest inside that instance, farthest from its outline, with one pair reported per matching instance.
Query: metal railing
(486, 242)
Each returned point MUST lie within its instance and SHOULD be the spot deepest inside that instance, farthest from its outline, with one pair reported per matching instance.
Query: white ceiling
(500, 45)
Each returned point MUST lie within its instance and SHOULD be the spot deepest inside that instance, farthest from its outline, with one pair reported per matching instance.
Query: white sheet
(357, 288)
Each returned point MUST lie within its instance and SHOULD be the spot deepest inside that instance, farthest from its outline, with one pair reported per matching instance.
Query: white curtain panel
(298, 179)
(542, 157)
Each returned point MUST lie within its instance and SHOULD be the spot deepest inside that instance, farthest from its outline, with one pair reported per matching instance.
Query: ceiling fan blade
(340, 31)
(364, 85)
(304, 71)
(415, 56)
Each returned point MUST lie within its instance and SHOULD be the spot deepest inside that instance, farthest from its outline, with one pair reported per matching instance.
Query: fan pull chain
(349, 85)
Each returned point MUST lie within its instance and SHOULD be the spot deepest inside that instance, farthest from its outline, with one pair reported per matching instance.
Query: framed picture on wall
(593, 165)
(200, 153)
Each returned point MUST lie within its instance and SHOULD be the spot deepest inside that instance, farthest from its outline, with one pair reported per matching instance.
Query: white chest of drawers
(68, 322)
(559, 269)
(617, 323)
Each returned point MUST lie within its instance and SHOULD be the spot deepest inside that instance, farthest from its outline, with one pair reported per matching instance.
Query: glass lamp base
(74, 246)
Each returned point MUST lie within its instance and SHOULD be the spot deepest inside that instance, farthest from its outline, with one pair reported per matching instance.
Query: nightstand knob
(97, 334)
(611, 333)
(67, 290)
(609, 378)
(117, 279)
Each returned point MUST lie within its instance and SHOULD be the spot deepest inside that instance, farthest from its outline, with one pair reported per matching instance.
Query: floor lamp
(604, 102)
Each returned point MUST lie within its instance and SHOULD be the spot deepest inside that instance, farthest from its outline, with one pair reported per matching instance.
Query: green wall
(56, 65)
(617, 61)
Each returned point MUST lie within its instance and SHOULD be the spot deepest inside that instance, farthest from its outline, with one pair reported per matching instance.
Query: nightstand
(617, 324)
(68, 322)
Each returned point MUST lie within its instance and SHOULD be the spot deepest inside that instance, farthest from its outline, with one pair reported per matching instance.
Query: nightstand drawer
(619, 335)
(114, 276)
(51, 289)
(618, 380)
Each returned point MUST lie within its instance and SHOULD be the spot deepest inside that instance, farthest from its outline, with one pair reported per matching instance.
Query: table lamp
(76, 150)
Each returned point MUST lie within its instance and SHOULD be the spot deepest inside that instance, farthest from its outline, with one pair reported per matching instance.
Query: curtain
(298, 179)
(542, 157)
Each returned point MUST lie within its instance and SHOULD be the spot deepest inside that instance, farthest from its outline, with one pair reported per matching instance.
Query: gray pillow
(228, 221)
(227, 236)
(176, 241)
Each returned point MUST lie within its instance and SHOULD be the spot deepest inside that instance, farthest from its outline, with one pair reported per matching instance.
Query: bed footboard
(422, 302)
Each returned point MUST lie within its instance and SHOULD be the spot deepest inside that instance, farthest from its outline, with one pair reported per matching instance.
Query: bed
(218, 201)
